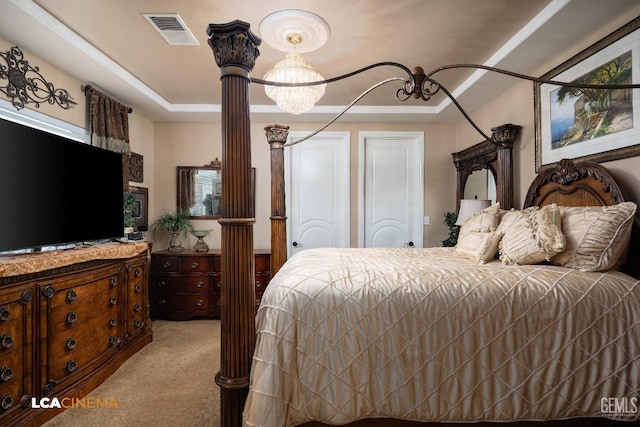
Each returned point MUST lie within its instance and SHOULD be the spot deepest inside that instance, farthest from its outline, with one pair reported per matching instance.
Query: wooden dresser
(186, 284)
(64, 330)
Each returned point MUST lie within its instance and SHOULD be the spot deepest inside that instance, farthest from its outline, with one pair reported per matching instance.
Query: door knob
(408, 245)
(296, 244)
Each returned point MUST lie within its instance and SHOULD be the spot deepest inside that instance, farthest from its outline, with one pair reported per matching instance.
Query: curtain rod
(90, 88)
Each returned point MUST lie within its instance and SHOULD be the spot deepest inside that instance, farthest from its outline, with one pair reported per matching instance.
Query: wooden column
(505, 136)
(277, 137)
(235, 49)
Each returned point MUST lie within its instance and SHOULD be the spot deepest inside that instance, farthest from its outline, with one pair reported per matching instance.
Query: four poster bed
(520, 322)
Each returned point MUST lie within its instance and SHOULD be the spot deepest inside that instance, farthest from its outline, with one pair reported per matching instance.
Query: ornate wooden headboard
(583, 184)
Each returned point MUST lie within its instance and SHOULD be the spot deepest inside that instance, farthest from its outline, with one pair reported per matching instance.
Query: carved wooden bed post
(277, 137)
(235, 49)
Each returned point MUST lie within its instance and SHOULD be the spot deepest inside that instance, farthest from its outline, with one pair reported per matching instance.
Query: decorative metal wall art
(25, 85)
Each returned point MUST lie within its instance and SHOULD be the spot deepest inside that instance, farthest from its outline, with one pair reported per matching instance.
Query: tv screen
(56, 191)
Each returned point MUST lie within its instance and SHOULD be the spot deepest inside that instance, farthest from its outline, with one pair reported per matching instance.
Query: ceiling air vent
(172, 28)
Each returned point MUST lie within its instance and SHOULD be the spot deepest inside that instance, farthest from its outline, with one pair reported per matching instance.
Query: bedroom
(155, 140)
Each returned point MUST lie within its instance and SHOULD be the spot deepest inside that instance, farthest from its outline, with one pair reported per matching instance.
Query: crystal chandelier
(294, 31)
(294, 69)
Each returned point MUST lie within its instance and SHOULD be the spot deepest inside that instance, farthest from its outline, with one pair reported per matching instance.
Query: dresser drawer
(169, 264)
(182, 284)
(195, 264)
(75, 350)
(68, 316)
(183, 302)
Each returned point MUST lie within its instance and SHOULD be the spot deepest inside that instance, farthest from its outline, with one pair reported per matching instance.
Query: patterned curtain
(188, 189)
(110, 128)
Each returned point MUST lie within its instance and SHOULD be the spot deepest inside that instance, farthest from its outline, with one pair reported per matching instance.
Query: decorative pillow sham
(535, 235)
(597, 237)
(478, 246)
(483, 221)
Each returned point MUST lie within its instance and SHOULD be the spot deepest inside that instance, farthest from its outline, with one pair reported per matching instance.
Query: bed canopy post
(235, 49)
(277, 137)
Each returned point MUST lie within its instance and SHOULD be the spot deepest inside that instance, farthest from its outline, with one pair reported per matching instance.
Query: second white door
(391, 187)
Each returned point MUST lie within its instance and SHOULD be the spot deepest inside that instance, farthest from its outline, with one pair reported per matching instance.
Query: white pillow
(533, 236)
(483, 221)
(478, 246)
(597, 237)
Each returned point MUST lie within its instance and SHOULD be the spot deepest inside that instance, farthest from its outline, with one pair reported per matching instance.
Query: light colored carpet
(170, 382)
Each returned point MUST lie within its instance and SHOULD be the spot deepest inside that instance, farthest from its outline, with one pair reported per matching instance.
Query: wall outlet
(426, 220)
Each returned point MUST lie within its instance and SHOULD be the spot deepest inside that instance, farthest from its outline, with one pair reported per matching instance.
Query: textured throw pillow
(597, 237)
(478, 246)
(535, 235)
(483, 221)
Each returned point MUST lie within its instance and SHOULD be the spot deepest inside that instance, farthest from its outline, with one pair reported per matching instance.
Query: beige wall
(141, 131)
(516, 106)
(196, 144)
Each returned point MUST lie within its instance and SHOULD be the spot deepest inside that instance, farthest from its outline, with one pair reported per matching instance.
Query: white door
(391, 187)
(317, 191)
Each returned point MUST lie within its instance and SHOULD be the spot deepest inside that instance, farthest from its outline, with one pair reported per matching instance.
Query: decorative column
(235, 49)
(277, 137)
(504, 137)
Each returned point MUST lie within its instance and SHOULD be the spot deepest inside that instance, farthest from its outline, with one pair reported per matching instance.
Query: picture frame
(599, 125)
(140, 209)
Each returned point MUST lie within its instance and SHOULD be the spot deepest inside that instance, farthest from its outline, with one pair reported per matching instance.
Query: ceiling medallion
(294, 31)
(26, 85)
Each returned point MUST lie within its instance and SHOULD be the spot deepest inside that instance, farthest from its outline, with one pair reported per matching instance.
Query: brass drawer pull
(6, 373)
(4, 314)
(71, 366)
(5, 402)
(137, 323)
(113, 341)
(199, 303)
(71, 318)
(113, 282)
(137, 288)
(71, 344)
(162, 284)
(6, 341)
(136, 307)
(194, 265)
(71, 295)
(199, 285)
(113, 300)
(138, 272)
(258, 284)
(112, 322)
(166, 264)
(162, 302)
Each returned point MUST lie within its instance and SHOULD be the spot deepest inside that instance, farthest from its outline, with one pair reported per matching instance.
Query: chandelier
(294, 31)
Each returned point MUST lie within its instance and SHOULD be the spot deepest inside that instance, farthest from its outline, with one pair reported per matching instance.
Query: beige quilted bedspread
(417, 334)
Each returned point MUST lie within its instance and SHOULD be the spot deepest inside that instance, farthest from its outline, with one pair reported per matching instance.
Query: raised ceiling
(113, 46)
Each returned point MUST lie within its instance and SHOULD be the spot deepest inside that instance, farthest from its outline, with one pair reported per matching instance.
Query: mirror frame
(214, 165)
(496, 156)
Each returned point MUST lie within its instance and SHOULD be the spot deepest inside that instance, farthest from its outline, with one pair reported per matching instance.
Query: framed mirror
(485, 169)
(199, 190)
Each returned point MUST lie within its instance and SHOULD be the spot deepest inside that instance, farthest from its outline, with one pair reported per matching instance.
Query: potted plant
(450, 220)
(175, 223)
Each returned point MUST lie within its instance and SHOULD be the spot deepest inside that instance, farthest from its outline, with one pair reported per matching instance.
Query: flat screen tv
(55, 191)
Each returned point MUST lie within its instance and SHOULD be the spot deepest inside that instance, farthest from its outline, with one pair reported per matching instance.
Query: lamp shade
(468, 207)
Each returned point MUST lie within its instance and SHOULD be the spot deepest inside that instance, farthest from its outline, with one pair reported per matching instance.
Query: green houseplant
(450, 221)
(175, 223)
